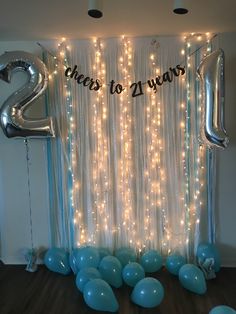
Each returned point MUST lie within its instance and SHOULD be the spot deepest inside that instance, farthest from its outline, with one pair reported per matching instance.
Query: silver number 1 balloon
(211, 73)
(12, 119)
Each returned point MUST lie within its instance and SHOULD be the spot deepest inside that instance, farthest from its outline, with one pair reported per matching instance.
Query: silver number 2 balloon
(211, 73)
(12, 119)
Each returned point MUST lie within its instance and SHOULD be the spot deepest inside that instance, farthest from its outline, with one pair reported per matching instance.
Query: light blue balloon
(192, 278)
(222, 309)
(57, 260)
(103, 252)
(126, 255)
(133, 273)
(99, 296)
(85, 275)
(148, 292)
(73, 262)
(87, 257)
(208, 250)
(174, 262)
(111, 270)
(151, 261)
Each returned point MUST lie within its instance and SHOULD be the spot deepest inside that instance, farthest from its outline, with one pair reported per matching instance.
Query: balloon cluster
(97, 272)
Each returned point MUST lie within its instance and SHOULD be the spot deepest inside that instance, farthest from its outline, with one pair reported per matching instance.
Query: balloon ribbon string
(29, 191)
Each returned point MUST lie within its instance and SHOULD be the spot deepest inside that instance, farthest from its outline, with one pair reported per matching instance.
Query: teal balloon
(99, 296)
(87, 257)
(72, 260)
(111, 270)
(148, 293)
(85, 275)
(222, 309)
(57, 260)
(103, 252)
(126, 255)
(208, 250)
(174, 262)
(132, 273)
(192, 278)
(151, 261)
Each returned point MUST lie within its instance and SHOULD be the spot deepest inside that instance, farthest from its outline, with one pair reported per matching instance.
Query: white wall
(14, 206)
(14, 200)
(226, 170)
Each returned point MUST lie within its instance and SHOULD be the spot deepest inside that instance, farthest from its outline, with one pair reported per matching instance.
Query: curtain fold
(123, 170)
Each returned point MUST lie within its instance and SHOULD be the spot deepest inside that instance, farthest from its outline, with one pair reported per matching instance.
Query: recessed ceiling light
(179, 7)
(95, 8)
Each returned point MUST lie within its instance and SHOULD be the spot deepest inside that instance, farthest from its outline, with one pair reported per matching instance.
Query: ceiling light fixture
(95, 8)
(179, 7)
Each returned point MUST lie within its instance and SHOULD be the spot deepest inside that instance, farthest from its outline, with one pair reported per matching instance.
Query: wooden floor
(50, 293)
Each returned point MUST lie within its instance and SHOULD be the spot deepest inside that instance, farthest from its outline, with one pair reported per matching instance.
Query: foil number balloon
(211, 73)
(12, 119)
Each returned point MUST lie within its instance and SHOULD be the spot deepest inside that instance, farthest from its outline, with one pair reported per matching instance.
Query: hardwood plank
(42, 292)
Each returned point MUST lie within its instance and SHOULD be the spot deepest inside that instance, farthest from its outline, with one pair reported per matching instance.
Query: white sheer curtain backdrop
(125, 171)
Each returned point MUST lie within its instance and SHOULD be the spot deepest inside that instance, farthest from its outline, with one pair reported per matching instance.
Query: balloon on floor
(151, 261)
(87, 257)
(99, 296)
(206, 251)
(103, 252)
(148, 293)
(111, 271)
(85, 275)
(222, 309)
(174, 262)
(132, 273)
(57, 260)
(192, 279)
(126, 255)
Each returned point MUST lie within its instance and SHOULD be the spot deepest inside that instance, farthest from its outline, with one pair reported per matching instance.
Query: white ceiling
(51, 19)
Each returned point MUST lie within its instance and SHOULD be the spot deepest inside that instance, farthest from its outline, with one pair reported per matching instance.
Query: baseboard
(228, 262)
(12, 260)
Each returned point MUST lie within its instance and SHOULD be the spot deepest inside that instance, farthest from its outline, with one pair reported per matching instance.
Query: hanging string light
(100, 161)
(194, 153)
(127, 230)
(99, 223)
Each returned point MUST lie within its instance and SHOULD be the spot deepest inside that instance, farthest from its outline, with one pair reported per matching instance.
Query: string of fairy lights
(100, 166)
(154, 175)
(127, 228)
(99, 225)
(194, 152)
